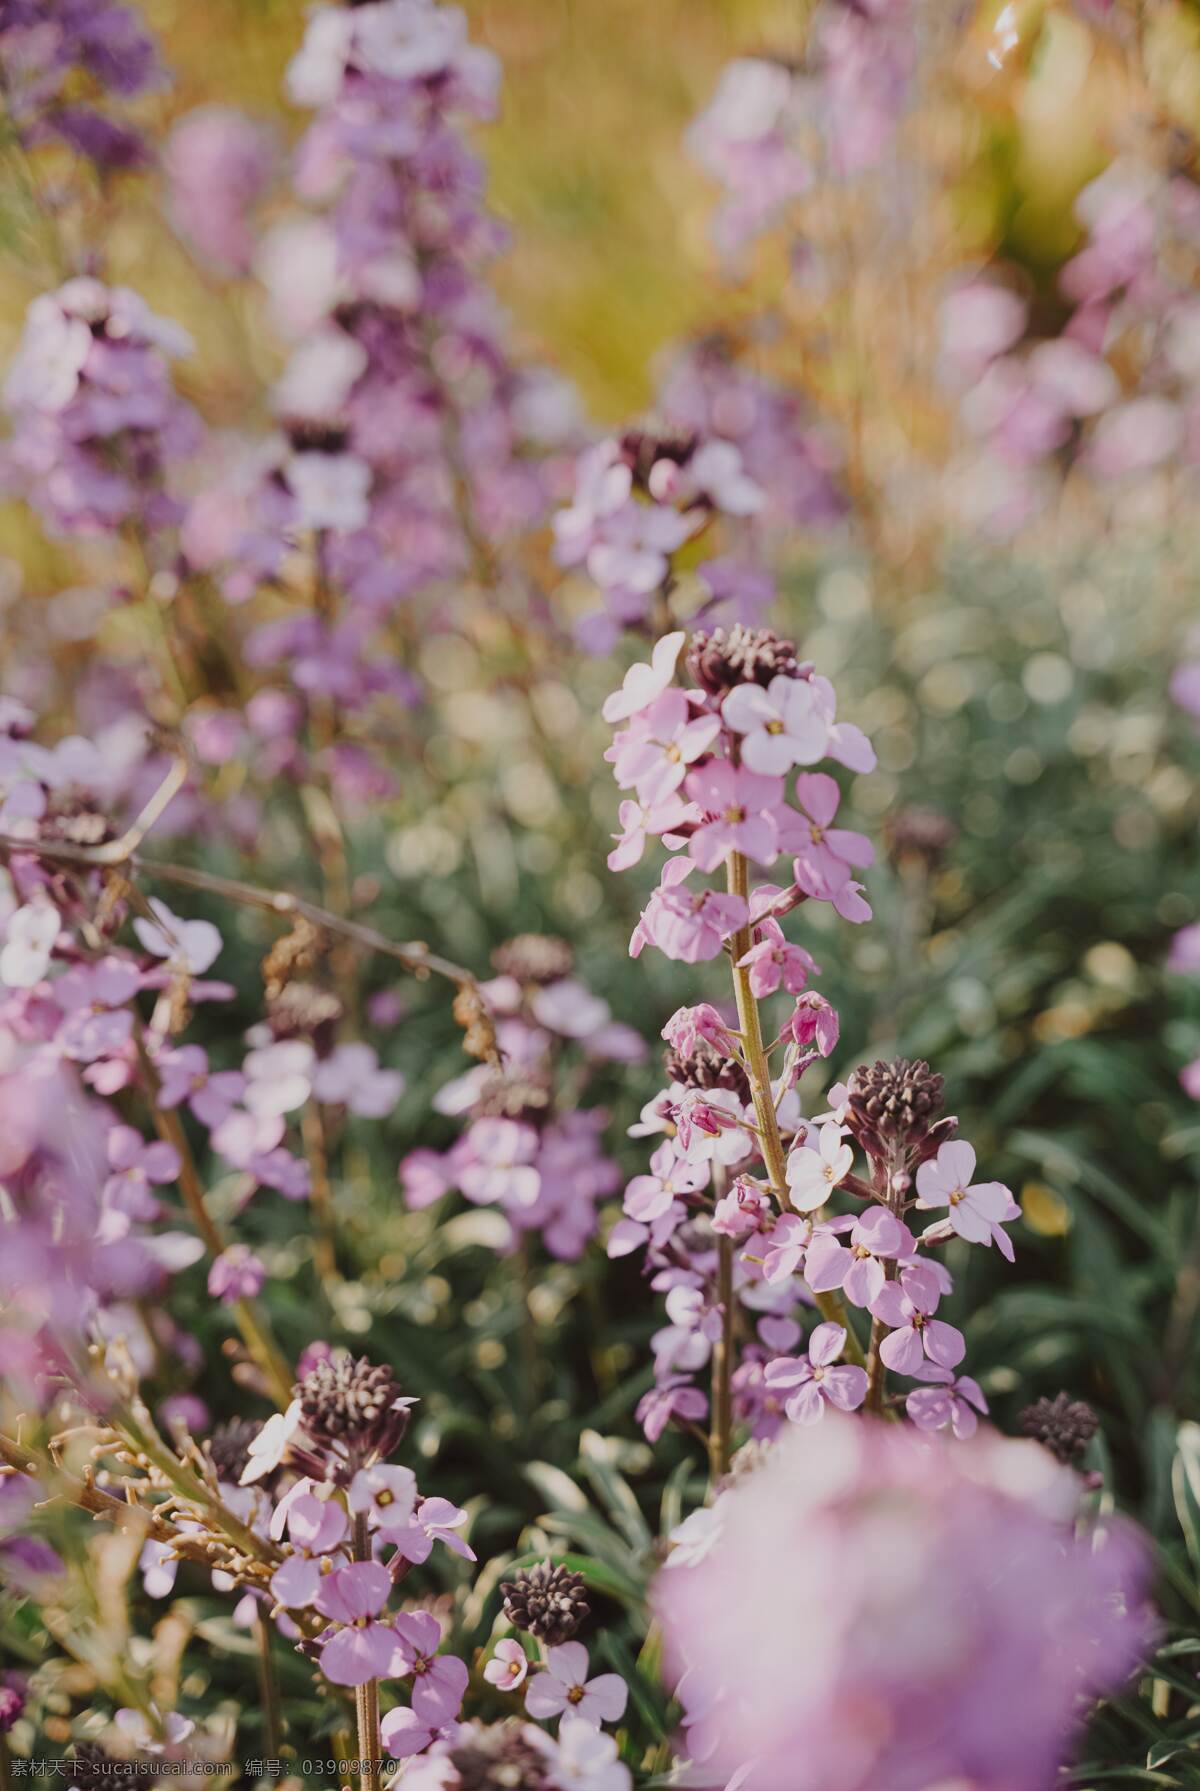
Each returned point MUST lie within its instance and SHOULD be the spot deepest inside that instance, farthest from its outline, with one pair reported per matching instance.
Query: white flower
(318, 378)
(270, 1446)
(351, 1077)
(31, 933)
(278, 1077)
(330, 490)
(587, 1758)
(781, 726)
(191, 945)
(812, 1175)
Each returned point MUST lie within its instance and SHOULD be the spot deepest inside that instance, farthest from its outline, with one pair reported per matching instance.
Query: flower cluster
(859, 1615)
(1113, 390)
(98, 425)
(736, 1206)
(529, 1147)
(65, 64)
(771, 126)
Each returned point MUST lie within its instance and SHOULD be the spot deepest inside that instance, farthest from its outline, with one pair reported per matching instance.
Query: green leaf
(1185, 1482)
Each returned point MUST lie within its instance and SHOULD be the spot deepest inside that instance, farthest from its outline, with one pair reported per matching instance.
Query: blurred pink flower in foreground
(876, 1610)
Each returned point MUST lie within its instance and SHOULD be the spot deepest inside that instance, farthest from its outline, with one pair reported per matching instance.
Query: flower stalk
(758, 1072)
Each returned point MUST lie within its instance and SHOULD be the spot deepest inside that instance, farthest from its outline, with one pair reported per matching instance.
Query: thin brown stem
(758, 1071)
(324, 1230)
(414, 955)
(720, 1439)
(254, 1329)
(366, 1697)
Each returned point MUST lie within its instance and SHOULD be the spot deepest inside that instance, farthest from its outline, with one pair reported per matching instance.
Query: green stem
(268, 1688)
(759, 1074)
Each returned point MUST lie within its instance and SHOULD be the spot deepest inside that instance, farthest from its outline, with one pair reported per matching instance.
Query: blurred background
(1037, 800)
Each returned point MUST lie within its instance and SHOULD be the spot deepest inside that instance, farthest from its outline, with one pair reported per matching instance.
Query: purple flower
(184, 1075)
(948, 1403)
(237, 1274)
(825, 855)
(439, 1680)
(435, 1520)
(878, 1237)
(816, 1380)
(673, 1398)
(361, 1648)
(813, 1174)
(501, 1163)
(650, 1196)
(653, 753)
(316, 1528)
(908, 1305)
(772, 961)
(388, 1496)
(94, 999)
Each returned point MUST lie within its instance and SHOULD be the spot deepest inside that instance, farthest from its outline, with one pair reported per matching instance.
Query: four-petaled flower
(360, 1647)
(976, 1211)
(781, 726)
(738, 808)
(946, 1402)
(908, 1305)
(564, 1689)
(439, 1680)
(818, 1379)
(674, 1398)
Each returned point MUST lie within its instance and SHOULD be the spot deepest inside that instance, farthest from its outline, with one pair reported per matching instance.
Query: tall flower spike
(547, 1600)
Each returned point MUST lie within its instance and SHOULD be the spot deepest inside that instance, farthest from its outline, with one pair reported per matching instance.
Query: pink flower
(501, 1166)
(641, 821)
(976, 1212)
(878, 1236)
(643, 683)
(439, 1680)
(813, 1021)
(847, 744)
(564, 1689)
(825, 855)
(435, 1520)
(933, 1662)
(315, 1528)
(688, 1024)
(403, 1734)
(684, 924)
(361, 1648)
(812, 1175)
(1189, 1079)
(674, 1398)
(650, 1196)
(781, 726)
(738, 815)
(801, 1245)
(741, 1210)
(654, 753)
(184, 1075)
(907, 1305)
(947, 1403)
(508, 1666)
(773, 960)
(816, 1379)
